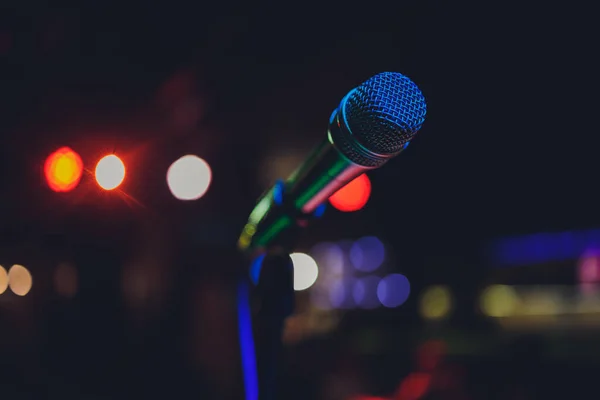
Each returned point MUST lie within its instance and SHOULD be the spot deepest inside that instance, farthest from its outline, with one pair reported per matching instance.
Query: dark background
(508, 148)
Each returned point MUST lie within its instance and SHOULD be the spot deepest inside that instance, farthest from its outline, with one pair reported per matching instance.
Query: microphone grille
(385, 112)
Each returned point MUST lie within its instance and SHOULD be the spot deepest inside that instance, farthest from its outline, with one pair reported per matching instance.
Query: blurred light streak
(543, 302)
(544, 307)
(19, 280)
(189, 178)
(63, 170)
(246, 338)
(353, 196)
(3, 279)
(436, 302)
(306, 271)
(365, 292)
(543, 247)
(393, 290)
(110, 172)
(367, 254)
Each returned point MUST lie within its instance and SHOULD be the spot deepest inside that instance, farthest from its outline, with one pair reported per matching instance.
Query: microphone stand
(272, 275)
(275, 295)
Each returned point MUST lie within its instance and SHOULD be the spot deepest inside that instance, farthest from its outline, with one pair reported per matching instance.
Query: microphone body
(373, 123)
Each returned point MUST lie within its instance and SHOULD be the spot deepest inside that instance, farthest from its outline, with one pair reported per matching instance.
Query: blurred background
(137, 136)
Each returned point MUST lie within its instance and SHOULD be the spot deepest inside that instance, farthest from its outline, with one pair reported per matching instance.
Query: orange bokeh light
(63, 170)
(353, 196)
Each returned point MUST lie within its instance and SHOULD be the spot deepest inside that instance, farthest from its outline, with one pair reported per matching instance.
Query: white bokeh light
(189, 178)
(110, 172)
(306, 271)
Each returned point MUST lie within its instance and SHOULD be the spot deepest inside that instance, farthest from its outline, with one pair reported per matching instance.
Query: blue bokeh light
(367, 254)
(340, 295)
(393, 290)
(365, 292)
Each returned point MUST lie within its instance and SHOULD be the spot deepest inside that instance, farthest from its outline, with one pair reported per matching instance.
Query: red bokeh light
(63, 170)
(353, 196)
(414, 386)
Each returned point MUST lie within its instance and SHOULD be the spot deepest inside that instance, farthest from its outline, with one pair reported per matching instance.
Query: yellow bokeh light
(110, 172)
(436, 302)
(19, 280)
(499, 301)
(3, 279)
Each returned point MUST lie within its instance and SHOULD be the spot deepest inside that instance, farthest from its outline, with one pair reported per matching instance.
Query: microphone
(373, 123)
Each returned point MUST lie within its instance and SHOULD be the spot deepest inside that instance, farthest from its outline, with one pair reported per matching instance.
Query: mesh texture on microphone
(385, 112)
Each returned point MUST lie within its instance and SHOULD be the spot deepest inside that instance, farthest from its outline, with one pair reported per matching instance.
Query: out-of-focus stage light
(110, 172)
(189, 177)
(306, 271)
(436, 302)
(63, 170)
(499, 301)
(353, 196)
(393, 290)
(3, 279)
(367, 254)
(19, 280)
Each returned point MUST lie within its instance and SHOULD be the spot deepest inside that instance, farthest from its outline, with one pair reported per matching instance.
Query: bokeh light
(63, 170)
(353, 196)
(588, 270)
(329, 258)
(110, 172)
(393, 290)
(66, 280)
(436, 302)
(499, 301)
(365, 292)
(19, 280)
(3, 279)
(189, 178)
(340, 294)
(306, 271)
(367, 254)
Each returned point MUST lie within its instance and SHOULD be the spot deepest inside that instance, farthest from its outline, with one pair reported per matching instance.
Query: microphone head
(384, 113)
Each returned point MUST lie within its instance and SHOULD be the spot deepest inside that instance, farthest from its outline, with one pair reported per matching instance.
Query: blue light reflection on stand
(319, 211)
(278, 192)
(247, 350)
(256, 267)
